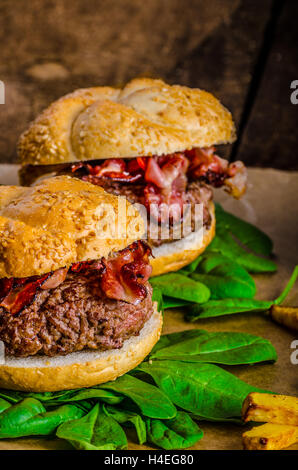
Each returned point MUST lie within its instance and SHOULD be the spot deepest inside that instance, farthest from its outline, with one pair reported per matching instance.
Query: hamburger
(150, 142)
(76, 306)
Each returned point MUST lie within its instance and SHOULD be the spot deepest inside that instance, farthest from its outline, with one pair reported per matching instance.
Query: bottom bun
(80, 369)
(175, 255)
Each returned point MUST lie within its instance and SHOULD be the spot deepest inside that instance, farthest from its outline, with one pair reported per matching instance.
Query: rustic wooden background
(245, 52)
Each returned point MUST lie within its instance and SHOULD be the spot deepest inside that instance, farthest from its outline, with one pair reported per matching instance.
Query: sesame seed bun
(146, 117)
(61, 221)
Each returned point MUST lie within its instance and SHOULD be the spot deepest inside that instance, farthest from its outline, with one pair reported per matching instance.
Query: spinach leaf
(224, 243)
(151, 401)
(170, 302)
(157, 297)
(177, 433)
(4, 404)
(191, 267)
(29, 418)
(125, 416)
(174, 338)
(94, 431)
(217, 308)
(221, 348)
(64, 396)
(205, 390)
(288, 287)
(12, 396)
(228, 306)
(218, 420)
(247, 234)
(181, 287)
(224, 277)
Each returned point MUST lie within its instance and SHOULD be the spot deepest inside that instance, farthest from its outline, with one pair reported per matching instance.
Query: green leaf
(157, 297)
(229, 348)
(288, 287)
(12, 396)
(205, 390)
(95, 431)
(64, 396)
(229, 306)
(170, 302)
(247, 234)
(224, 243)
(177, 433)
(29, 418)
(224, 277)
(4, 405)
(126, 416)
(181, 287)
(191, 267)
(151, 401)
(217, 308)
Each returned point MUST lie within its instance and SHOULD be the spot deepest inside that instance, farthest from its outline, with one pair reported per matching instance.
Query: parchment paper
(271, 204)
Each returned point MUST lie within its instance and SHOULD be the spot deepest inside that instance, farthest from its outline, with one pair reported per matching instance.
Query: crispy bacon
(121, 277)
(236, 182)
(125, 274)
(114, 169)
(163, 174)
(22, 293)
(55, 279)
(209, 167)
(6, 285)
(165, 177)
(164, 195)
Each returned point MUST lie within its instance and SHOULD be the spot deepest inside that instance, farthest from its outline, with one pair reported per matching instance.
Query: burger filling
(168, 186)
(90, 305)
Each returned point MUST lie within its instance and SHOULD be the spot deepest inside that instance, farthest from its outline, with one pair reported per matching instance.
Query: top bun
(147, 117)
(61, 221)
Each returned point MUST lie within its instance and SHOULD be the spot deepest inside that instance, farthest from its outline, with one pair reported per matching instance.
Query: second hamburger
(150, 142)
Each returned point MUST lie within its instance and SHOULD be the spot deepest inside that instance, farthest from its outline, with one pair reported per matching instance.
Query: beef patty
(74, 316)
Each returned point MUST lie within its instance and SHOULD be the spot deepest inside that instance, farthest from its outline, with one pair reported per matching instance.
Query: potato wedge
(287, 316)
(267, 408)
(270, 437)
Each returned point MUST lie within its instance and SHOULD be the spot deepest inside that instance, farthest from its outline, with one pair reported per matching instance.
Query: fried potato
(287, 316)
(269, 408)
(270, 437)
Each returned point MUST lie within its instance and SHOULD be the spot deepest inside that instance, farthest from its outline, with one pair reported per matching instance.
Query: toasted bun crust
(61, 221)
(80, 369)
(173, 256)
(147, 117)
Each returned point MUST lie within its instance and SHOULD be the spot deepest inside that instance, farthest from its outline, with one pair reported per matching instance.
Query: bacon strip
(115, 169)
(22, 293)
(124, 275)
(165, 178)
(121, 277)
(55, 279)
(209, 167)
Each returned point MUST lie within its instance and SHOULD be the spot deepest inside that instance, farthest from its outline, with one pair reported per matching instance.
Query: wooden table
(243, 52)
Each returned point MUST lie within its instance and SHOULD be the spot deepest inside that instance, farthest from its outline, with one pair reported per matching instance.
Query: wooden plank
(54, 47)
(224, 64)
(270, 137)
